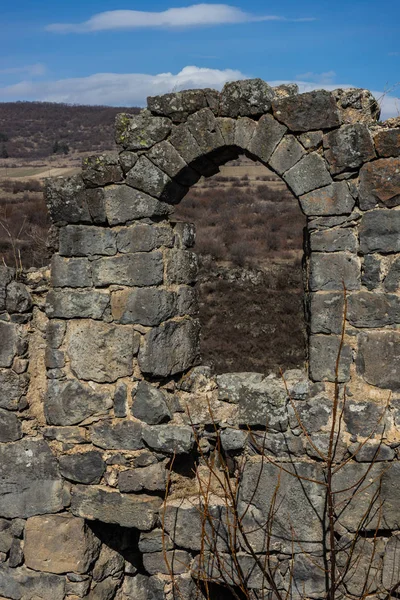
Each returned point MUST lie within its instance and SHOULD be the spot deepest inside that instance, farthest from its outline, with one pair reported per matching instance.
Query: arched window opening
(249, 240)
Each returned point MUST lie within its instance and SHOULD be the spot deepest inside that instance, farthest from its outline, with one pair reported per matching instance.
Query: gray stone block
(178, 105)
(99, 351)
(348, 147)
(380, 231)
(391, 563)
(10, 427)
(151, 479)
(67, 435)
(177, 561)
(181, 266)
(204, 128)
(330, 271)
(18, 298)
(334, 199)
(311, 140)
(101, 504)
(27, 584)
(187, 301)
(146, 306)
(247, 98)
(149, 404)
(324, 350)
(30, 482)
(357, 105)
(378, 359)
(124, 204)
(371, 274)
(148, 178)
(85, 467)
(227, 127)
(70, 304)
(83, 240)
(233, 440)
(387, 143)
(326, 312)
(70, 272)
(6, 536)
(95, 202)
(109, 564)
(168, 159)
(55, 332)
(244, 131)
(12, 388)
(308, 174)
(137, 269)
(392, 280)
(186, 145)
(9, 343)
(120, 399)
(185, 234)
(171, 439)
(142, 131)
(142, 237)
(127, 160)
(267, 136)
(373, 309)
(170, 348)
(286, 155)
(309, 111)
(121, 435)
(334, 240)
(69, 402)
(100, 169)
(153, 541)
(66, 200)
(380, 183)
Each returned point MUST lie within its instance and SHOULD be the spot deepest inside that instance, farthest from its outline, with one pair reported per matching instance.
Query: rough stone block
(122, 435)
(334, 240)
(168, 159)
(124, 204)
(371, 274)
(109, 564)
(30, 482)
(326, 310)
(308, 174)
(6, 536)
(101, 504)
(85, 467)
(185, 234)
(357, 105)
(170, 348)
(18, 298)
(181, 266)
(178, 561)
(12, 387)
(380, 231)
(331, 270)
(66, 200)
(147, 306)
(148, 178)
(24, 584)
(149, 404)
(120, 398)
(286, 155)
(70, 304)
(84, 240)
(185, 144)
(67, 435)
(244, 131)
(55, 332)
(247, 98)
(266, 137)
(387, 143)
(10, 427)
(348, 147)
(137, 269)
(334, 199)
(178, 105)
(324, 350)
(151, 479)
(70, 272)
(187, 301)
(227, 128)
(364, 418)
(138, 132)
(233, 440)
(380, 183)
(142, 237)
(69, 402)
(178, 439)
(204, 128)
(309, 111)
(95, 202)
(127, 160)
(378, 358)
(373, 309)
(9, 343)
(311, 140)
(59, 544)
(153, 541)
(391, 563)
(100, 169)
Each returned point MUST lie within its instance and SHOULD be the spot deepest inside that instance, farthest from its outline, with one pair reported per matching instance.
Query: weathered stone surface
(171, 439)
(101, 504)
(59, 544)
(151, 479)
(184, 235)
(24, 584)
(313, 414)
(187, 301)
(371, 274)
(305, 112)
(334, 199)
(149, 404)
(6, 536)
(85, 467)
(308, 174)
(170, 348)
(18, 298)
(378, 358)
(86, 240)
(148, 178)
(178, 561)
(66, 200)
(168, 159)
(70, 272)
(227, 127)
(122, 435)
(55, 332)
(6, 276)
(100, 351)
(348, 147)
(334, 240)
(372, 451)
(9, 343)
(127, 160)
(29, 480)
(391, 563)
(330, 271)
(70, 304)
(233, 440)
(357, 106)
(380, 183)
(311, 140)
(380, 231)
(10, 427)
(100, 169)
(326, 312)
(67, 435)
(142, 587)
(153, 541)
(387, 143)
(12, 387)
(248, 98)
(324, 351)
(186, 145)
(147, 306)
(373, 309)
(120, 399)
(104, 590)
(204, 128)
(124, 204)
(244, 131)
(137, 269)
(178, 105)
(138, 132)
(286, 155)
(142, 237)
(95, 202)
(69, 402)
(266, 137)
(109, 564)
(181, 266)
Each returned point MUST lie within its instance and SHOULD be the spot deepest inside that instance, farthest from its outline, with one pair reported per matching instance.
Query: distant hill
(36, 130)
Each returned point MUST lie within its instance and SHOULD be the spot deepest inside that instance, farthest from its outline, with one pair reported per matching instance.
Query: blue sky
(118, 52)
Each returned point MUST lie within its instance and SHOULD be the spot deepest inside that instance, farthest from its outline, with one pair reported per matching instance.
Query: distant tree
(60, 147)
(3, 137)
(4, 152)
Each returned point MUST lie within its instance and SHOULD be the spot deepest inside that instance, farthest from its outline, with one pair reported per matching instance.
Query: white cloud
(131, 89)
(325, 78)
(35, 70)
(189, 16)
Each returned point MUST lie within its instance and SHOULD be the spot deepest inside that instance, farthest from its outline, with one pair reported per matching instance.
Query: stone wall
(104, 404)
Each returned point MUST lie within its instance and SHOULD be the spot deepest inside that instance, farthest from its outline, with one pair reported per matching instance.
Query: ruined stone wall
(104, 403)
